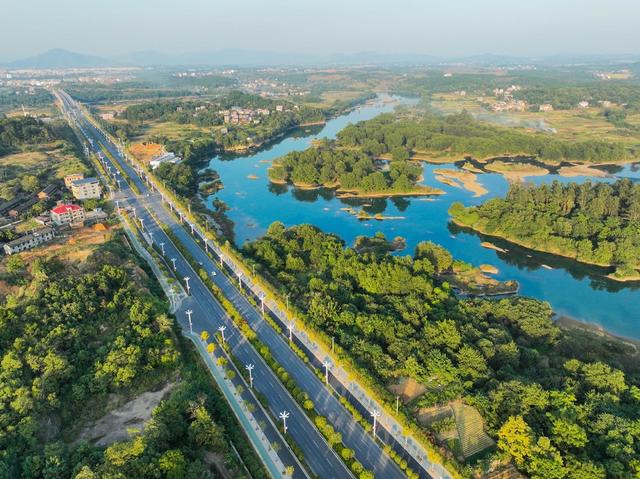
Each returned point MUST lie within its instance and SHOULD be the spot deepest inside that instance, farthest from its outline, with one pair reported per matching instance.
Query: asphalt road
(208, 315)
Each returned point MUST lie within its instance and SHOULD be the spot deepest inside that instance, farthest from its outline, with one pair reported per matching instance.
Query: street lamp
(173, 260)
(192, 230)
(239, 279)
(326, 365)
(162, 248)
(188, 313)
(290, 327)
(284, 415)
(186, 280)
(135, 215)
(142, 224)
(375, 414)
(151, 237)
(262, 295)
(287, 298)
(222, 329)
(249, 367)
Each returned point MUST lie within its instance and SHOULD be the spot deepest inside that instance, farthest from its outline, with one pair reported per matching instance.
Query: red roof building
(67, 214)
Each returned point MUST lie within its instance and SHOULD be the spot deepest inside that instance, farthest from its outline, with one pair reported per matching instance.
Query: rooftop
(62, 209)
(84, 181)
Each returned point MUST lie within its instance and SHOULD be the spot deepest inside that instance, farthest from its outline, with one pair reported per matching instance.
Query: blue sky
(439, 27)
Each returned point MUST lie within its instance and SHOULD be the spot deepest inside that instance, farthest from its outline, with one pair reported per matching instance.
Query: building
(71, 178)
(583, 104)
(67, 214)
(29, 241)
(167, 157)
(48, 192)
(546, 107)
(86, 188)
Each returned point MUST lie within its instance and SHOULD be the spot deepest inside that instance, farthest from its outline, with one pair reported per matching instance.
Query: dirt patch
(115, 425)
(486, 244)
(146, 152)
(408, 389)
(488, 268)
(581, 170)
(515, 172)
(467, 179)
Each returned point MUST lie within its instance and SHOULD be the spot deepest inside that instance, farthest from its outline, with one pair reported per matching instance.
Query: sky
(433, 27)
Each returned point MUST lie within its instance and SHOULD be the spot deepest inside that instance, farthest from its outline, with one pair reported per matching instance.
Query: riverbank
(461, 179)
(529, 246)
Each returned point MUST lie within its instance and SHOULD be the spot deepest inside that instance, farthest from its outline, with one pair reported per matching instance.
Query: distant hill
(60, 58)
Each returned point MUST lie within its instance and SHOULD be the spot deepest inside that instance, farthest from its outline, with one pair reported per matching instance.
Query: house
(583, 104)
(67, 214)
(48, 192)
(29, 241)
(86, 188)
(546, 107)
(69, 179)
(95, 216)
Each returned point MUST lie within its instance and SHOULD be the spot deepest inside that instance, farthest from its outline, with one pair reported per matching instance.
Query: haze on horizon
(431, 27)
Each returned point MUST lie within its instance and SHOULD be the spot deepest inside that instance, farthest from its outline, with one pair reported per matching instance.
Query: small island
(351, 172)
(591, 223)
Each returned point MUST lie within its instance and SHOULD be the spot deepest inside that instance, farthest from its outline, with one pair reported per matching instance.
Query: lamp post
(188, 312)
(239, 279)
(192, 230)
(249, 367)
(284, 415)
(222, 329)
(375, 414)
(290, 327)
(262, 302)
(142, 224)
(326, 365)
(173, 260)
(186, 280)
(151, 237)
(162, 248)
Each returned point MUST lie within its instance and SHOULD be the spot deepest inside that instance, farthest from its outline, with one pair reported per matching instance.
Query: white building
(86, 188)
(29, 241)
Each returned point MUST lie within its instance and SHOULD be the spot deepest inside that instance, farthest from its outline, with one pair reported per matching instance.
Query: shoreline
(568, 323)
(523, 245)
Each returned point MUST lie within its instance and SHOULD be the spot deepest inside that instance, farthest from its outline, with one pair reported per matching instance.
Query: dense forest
(460, 135)
(558, 406)
(21, 131)
(349, 170)
(593, 223)
(10, 99)
(72, 340)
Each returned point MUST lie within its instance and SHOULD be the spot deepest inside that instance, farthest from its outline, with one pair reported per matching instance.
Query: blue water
(572, 289)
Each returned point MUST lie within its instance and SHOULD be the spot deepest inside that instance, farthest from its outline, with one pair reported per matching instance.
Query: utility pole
(222, 329)
(375, 414)
(186, 280)
(284, 415)
(249, 367)
(326, 365)
(173, 260)
(188, 312)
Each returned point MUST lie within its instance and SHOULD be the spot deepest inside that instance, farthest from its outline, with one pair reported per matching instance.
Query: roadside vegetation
(79, 339)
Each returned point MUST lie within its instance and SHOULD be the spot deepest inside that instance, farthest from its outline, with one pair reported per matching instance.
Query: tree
(204, 336)
(516, 439)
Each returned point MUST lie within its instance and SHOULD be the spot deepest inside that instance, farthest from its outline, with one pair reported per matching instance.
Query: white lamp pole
(151, 237)
(142, 224)
(326, 365)
(290, 327)
(186, 280)
(162, 248)
(375, 414)
(249, 367)
(173, 260)
(284, 415)
(262, 302)
(222, 329)
(188, 313)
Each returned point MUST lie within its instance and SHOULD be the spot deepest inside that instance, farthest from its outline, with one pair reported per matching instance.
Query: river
(574, 290)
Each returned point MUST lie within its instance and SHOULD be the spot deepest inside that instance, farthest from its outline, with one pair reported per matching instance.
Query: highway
(208, 315)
